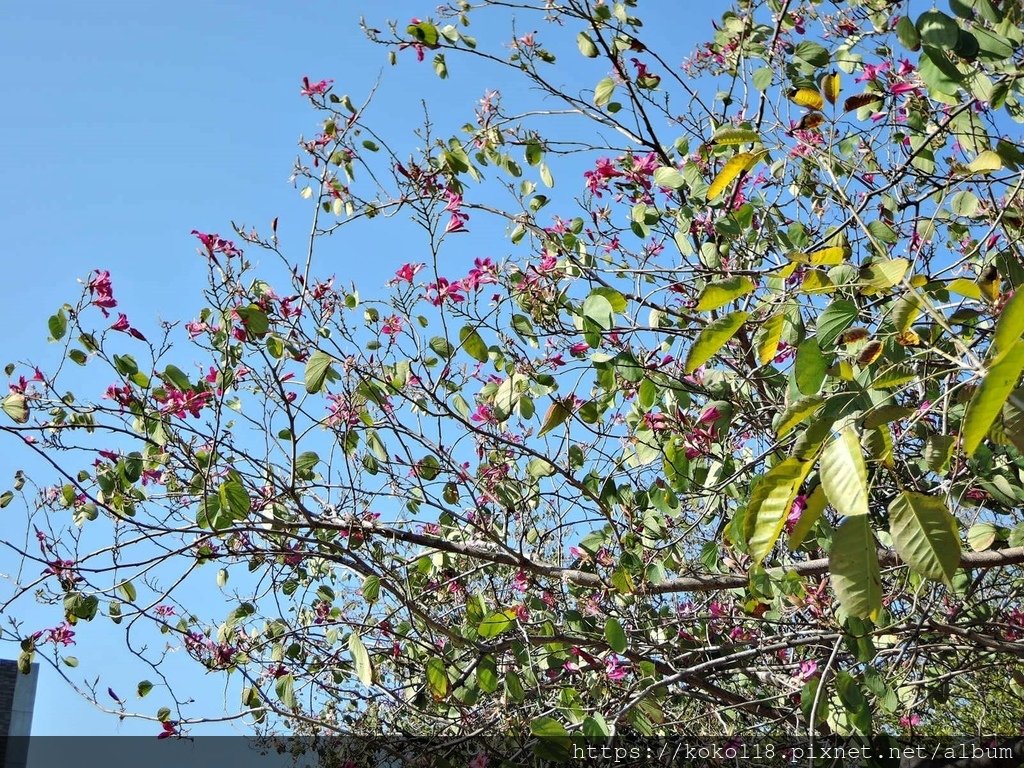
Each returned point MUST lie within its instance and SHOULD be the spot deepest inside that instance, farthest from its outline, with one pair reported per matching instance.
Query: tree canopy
(697, 412)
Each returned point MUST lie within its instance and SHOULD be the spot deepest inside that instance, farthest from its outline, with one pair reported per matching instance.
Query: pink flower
(483, 415)
(61, 635)
(615, 669)
(709, 415)
(807, 670)
(909, 721)
(480, 760)
(457, 223)
(443, 289)
(102, 291)
(578, 349)
(122, 325)
(406, 273)
(214, 244)
(799, 505)
(315, 89)
(392, 326)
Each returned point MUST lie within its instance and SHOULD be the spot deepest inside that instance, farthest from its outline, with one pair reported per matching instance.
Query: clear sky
(127, 124)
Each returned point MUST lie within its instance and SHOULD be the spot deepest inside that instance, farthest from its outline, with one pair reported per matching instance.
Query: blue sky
(128, 124)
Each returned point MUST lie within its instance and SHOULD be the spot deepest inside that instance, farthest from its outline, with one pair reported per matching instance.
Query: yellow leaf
(810, 120)
(986, 162)
(817, 281)
(990, 284)
(830, 87)
(834, 255)
(736, 165)
(770, 336)
(807, 97)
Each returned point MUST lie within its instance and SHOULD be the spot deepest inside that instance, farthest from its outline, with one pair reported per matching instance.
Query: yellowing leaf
(360, 659)
(736, 165)
(810, 515)
(770, 503)
(990, 284)
(925, 535)
(826, 256)
(986, 162)
(721, 292)
(882, 275)
(798, 412)
(770, 335)
(965, 288)
(995, 387)
(844, 475)
(1010, 325)
(853, 563)
(830, 86)
(731, 136)
(807, 97)
(817, 281)
(713, 338)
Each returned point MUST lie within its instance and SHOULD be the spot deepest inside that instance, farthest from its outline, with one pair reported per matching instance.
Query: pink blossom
(709, 415)
(196, 328)
(799, 505)
(61, 635)
(122, 325)
(442, 290)
(315, 89)
(909, 721)
(214, 244)
(457, 222)
(392, 326)
(615, 669)
(102, 291)
(406, 273)
(807, 670)
(180, 404)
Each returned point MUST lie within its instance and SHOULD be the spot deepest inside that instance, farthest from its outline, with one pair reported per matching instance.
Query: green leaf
(669, 178)
(937, 29)
(615, 635)
(939, 74)
(370, 589)
(712, 338)
(487, 674)
(177, 377)
(361, 659)
(496, 622)
(6, 498)
(853, 563)
(285, 689)
(982, 536)
(305, 463)
(1010, 326)
(833, 320)
(603, 92)
(925, 535)
(598, 309)
(317, 366)
(127, 590)
(235, 500)
(555, 740)
(798, 412)
(143, 688)
(844, 475)
(721, 292)
(810, 367)
(586, 45)
(437, 678)
(473, 343)
(995, 387)
(731, 136)
(771, 501)
(58, 325)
